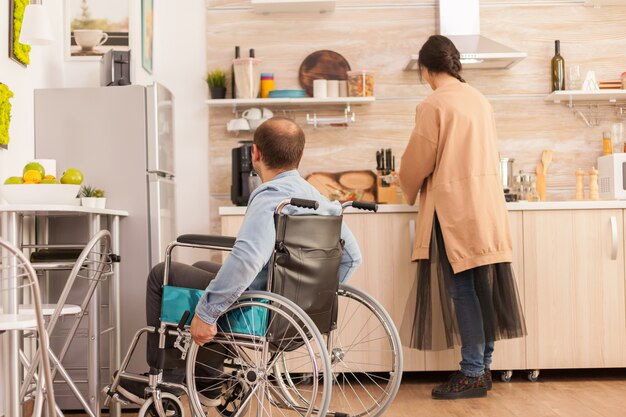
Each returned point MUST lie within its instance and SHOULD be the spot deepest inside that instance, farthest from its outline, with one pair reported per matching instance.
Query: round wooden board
(327, 65)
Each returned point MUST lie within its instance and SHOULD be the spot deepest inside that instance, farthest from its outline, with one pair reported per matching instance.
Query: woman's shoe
(488, 379)
(461, 386)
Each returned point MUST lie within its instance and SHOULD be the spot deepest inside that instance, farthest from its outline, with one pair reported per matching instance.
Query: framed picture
(18, 52)
(147, 34)
(92, 27)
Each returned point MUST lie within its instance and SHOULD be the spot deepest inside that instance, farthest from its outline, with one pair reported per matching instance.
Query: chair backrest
(305, 266)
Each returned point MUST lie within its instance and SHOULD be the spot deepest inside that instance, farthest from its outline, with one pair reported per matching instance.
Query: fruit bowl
(63, 194)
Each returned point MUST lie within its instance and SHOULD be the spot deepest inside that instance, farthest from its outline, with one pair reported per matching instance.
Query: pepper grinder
(593, 184)
(580, 184)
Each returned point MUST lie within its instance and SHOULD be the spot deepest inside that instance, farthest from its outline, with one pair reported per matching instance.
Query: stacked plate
(287, 94)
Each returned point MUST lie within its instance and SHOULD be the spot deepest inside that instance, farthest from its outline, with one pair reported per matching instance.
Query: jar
(247, 77)
(360, 83)
(607, 144)
(623, 80)
(267, 84)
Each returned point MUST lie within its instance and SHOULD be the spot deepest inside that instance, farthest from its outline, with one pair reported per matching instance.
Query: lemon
(32, 177)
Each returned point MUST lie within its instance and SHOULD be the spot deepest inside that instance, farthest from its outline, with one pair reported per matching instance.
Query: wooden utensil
(327, 65)
(546, 159)
(541, 181)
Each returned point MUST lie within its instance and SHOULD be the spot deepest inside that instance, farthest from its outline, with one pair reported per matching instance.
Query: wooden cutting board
(327, 65)
(344, 186)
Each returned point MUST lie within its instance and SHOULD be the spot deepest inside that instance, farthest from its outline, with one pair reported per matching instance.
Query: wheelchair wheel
(239, 365)
(366, 360)
(171, 405)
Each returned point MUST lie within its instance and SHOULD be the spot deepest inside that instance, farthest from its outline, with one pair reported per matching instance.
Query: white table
(12, 217)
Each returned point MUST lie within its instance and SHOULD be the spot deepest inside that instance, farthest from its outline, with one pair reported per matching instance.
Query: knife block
(386, 195)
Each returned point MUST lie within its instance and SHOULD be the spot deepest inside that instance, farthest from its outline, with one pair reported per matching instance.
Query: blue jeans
(474, 358)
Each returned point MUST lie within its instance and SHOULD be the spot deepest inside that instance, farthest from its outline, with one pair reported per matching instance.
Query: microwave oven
(612, 176)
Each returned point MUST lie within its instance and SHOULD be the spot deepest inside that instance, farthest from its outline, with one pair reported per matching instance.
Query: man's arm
(252, 250)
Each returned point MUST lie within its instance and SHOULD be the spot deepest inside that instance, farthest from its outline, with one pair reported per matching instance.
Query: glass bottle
(558, 68)
(607, 145)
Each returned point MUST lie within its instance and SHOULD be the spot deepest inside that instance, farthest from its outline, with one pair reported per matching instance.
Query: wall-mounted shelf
(592, 106)
(571, 96)
(267, 102)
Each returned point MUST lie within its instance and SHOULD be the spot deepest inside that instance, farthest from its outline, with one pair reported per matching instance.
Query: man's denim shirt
(246, 266)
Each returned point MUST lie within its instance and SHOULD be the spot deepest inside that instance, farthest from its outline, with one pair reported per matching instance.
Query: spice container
(267, 84)
(360, 83)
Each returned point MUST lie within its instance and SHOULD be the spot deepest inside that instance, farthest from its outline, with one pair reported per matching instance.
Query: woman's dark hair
(439, 55)
(281, 142)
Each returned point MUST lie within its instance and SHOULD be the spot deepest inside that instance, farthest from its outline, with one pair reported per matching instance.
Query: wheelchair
(289, 351)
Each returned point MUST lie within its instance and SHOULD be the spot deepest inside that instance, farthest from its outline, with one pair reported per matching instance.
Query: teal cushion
(250, 320)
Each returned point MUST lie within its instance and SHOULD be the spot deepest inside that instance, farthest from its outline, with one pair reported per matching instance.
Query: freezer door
(162, 208)
(160, 129)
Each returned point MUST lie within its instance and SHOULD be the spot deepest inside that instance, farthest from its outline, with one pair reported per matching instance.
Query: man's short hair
(281, 142)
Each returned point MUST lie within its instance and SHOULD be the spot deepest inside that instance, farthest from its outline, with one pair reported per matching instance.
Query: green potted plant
(92, 197)
(216, 80)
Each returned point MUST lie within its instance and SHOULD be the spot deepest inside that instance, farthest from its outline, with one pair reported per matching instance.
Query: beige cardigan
(452, 158)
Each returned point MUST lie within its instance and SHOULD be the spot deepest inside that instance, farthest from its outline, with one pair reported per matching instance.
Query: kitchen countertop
(523, 205)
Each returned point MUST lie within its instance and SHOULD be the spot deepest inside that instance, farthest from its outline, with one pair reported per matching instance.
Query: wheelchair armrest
(207, 240)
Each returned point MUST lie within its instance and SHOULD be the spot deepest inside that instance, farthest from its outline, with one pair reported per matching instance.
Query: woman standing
(462, 224)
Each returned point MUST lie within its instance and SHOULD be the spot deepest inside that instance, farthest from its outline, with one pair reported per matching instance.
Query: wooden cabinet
(574, 270)
(570, 272)
(387, 272)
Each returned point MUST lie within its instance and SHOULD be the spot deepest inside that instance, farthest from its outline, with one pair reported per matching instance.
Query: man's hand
(202, 332)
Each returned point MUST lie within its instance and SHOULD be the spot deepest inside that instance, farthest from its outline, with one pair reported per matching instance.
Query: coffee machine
(244, 178)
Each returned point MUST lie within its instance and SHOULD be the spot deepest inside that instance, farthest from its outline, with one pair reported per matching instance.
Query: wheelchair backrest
(305, 266)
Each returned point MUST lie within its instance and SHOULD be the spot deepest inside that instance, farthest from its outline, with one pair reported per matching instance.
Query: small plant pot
(93, 202)
(88, 202)
(218, 92)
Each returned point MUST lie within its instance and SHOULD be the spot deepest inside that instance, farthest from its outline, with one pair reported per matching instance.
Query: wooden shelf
(250, 102)
(570, 96)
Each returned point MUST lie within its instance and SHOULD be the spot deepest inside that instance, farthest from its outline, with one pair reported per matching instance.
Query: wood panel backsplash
(380, 36)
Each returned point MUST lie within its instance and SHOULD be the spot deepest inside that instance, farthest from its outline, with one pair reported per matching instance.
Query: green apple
(34, 166)
(72, 176)
(14, 180)
(49, 181)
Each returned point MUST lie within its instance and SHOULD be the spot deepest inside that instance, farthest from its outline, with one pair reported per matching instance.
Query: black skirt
(430, 303)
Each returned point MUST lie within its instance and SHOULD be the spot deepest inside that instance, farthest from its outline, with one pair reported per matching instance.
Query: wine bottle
(558, 68)
(232, 74)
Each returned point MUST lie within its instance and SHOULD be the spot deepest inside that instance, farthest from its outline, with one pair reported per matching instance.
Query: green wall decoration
(17, 51)
(5, 114)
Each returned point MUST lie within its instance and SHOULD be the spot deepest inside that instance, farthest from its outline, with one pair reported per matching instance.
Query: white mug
(88, 39)
(252, 114)
(332, 89)
(320, 88)
(267, 113)
(235, 125)
(343, 88)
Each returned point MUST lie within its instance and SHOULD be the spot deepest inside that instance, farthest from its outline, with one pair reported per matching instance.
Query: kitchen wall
(380, 36)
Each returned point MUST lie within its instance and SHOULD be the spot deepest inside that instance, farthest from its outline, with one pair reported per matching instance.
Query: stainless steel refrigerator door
(160, 129)
(162, 206)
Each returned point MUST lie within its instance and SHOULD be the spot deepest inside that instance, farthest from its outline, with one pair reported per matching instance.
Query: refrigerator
(122, 139)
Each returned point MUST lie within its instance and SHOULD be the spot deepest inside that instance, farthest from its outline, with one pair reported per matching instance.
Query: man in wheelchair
(277, 150)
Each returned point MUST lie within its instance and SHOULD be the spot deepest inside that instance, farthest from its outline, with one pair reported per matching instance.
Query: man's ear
(256, 153)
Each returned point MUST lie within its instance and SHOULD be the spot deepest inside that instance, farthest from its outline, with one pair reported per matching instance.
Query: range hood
(459, 20)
